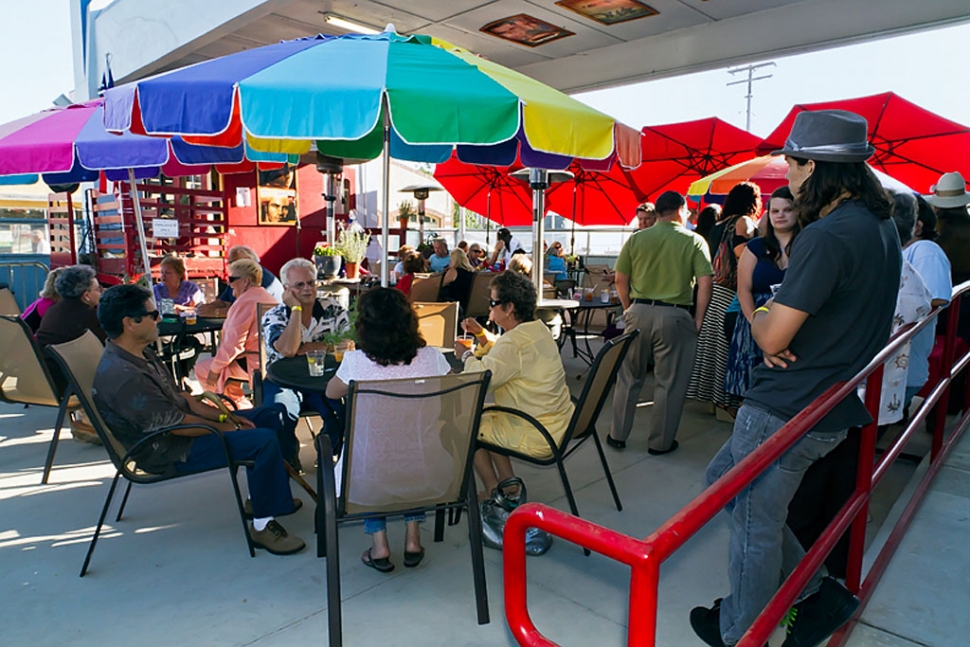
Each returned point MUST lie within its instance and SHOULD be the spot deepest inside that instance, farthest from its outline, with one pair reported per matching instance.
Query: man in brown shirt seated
(136, 396)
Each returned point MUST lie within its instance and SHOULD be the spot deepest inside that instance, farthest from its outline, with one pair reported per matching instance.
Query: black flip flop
(382, 564)
(413, 559)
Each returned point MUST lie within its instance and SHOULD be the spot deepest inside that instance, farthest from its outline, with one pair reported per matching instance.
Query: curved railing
(645, 556)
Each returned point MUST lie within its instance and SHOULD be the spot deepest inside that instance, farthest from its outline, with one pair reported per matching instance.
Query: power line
(751, 79)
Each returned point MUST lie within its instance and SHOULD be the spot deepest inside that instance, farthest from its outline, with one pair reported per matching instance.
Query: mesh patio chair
(393, 466)
(438, 323)
(481, 293)
(8, 303)
(582, 426)
(26, 379)
(79, 360)
(426, 289)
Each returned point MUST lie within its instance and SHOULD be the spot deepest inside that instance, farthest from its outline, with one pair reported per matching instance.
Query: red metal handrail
(645, 556)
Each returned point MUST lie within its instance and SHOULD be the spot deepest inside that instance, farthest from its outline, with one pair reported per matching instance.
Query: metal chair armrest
(532, 421)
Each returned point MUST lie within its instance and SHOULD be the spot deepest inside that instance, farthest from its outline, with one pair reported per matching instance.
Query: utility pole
(751, 79)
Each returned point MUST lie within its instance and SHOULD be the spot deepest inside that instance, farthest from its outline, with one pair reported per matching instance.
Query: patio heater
(539, 180)
(421, 192)
(332, 168)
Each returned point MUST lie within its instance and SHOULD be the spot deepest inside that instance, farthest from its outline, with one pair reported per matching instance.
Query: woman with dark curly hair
(389, 346)
(527, 374)
(737, 226)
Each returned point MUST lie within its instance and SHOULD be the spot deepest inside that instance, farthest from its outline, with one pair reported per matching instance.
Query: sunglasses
(494, 302)
(234, 278)
(154, 314)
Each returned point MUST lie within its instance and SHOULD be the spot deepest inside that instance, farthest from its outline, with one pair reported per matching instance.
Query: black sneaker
(706, 623)
(820, 615)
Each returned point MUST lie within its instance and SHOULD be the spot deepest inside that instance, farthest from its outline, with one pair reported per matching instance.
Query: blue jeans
(331, 411)
(379, 524)
(269, 485)
(763, 550)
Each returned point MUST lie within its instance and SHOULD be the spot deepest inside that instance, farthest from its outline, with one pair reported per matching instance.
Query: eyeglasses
(154, 314)
(494, 302)
(234, 278)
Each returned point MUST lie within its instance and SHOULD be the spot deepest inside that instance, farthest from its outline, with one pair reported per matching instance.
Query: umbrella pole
(136, 206)
(572, 231)
(538, 181)
(386, 198)
(488, 217)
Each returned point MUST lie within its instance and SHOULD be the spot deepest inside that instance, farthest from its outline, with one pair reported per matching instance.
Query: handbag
(496, 510)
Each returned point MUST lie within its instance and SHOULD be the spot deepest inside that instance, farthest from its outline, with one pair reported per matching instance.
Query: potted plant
(352, 244)
(328, 260)
(571, 261)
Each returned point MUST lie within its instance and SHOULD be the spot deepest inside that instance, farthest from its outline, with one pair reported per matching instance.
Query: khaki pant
(668, 337)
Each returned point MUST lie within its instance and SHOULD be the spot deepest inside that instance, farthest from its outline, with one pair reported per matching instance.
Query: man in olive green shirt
(655, 276)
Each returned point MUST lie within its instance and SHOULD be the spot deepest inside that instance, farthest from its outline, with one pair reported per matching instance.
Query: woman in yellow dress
(527, 375)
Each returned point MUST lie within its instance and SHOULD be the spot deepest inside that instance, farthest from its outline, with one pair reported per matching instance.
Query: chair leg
(61, 415)
(439, 525)
(606, 470)
(124, 502)
(454, 516)
(97, 531)
(234, 477)
(333, 570)
(569, 494)
(478, 560)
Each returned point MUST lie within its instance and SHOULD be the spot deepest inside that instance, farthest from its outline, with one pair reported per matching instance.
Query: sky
(928, 68)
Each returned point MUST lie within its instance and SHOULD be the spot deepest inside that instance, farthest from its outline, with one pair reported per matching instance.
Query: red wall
(277, 244)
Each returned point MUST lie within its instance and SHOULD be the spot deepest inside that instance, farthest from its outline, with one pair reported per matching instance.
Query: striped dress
(713, 347)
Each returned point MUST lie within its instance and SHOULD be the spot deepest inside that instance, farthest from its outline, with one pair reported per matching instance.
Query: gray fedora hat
(828, 136)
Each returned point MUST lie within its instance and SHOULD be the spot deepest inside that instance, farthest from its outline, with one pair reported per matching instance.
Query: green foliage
(325, 251)
(352, 244)
(406, 210)
(334, 338)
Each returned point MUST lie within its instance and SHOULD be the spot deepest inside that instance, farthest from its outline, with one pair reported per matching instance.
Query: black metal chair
(79, 360)
(26, 379)
(424, 463)
(582, 426)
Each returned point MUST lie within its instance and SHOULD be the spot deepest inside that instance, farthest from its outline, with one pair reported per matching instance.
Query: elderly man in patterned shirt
(286, 335)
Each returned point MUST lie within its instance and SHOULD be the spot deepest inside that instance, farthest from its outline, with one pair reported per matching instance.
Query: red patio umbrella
(675, 155)
(487, 190)
(594, 197)
(913, 145)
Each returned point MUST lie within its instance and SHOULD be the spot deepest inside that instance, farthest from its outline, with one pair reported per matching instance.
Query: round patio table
(294, 373)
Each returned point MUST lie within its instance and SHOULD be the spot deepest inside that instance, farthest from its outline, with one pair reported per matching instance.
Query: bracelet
(223, 417)
(296, 309)
(480, 335)
(764, 309)
(467, 354)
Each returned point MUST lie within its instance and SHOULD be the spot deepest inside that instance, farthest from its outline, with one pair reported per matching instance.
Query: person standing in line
(655, 276)
(832, 314)
(646, 216)
(762, 265)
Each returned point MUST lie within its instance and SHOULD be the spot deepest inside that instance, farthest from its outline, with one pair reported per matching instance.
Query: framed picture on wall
(526, 30)
(609, 12)
(276, 200)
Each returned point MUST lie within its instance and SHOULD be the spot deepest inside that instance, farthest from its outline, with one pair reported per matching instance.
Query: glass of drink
(466, 342)
(340, 349)
(190, 316)
(316, 362)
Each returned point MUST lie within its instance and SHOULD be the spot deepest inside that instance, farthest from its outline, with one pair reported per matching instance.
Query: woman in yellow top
(527, 374)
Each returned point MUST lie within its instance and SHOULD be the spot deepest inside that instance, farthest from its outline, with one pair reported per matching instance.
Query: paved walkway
(176, 570)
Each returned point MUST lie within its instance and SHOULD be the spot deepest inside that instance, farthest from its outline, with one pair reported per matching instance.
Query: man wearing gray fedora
(830, 317)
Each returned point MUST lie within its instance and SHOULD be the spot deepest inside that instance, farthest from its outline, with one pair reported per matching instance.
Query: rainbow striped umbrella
(357, 96)
(336, 92)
